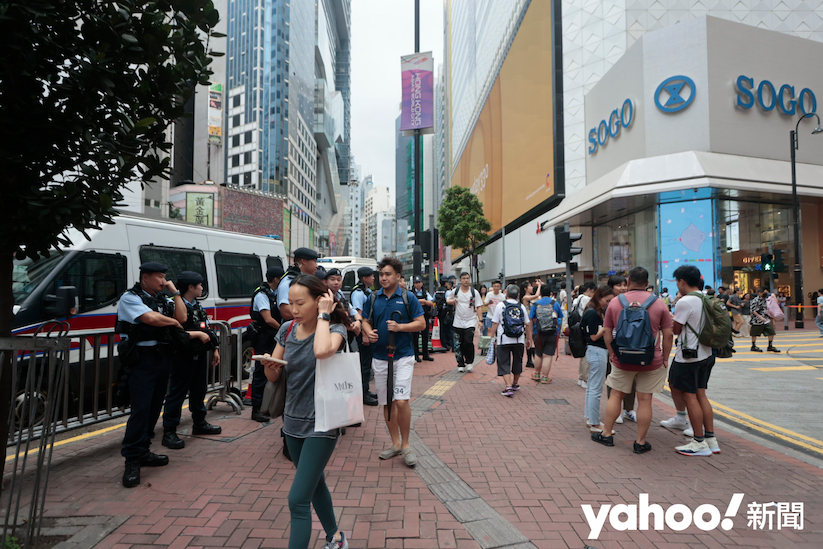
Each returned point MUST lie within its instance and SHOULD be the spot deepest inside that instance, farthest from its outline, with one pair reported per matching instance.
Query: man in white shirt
(562, 296)
(467, 316)
(692, 365)
(514, 333)
(494, 297)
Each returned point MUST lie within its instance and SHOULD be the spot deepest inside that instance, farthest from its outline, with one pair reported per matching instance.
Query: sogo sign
(619, 118)
(767, 97)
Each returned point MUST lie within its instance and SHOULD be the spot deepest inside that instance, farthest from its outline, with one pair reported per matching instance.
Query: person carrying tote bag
(317, 332)
(338, 391)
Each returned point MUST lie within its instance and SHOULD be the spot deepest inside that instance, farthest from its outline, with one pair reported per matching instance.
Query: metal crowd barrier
(220, 379)
(38, 365)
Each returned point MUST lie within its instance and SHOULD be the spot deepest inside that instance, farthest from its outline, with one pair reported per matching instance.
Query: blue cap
(305, 253)
(365, 271)
(274, 272)
(321, 274)
(189, 277)
(333, 272)
(153, 267)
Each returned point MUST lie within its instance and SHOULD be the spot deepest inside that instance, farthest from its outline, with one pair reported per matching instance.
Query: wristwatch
(324, 316)
(175, 294)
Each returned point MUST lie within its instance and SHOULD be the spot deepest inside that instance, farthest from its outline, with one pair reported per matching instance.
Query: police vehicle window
(348, 280)
(178, 260)
(28, 273)
(238, 275)
(273, 262)
(100, 279)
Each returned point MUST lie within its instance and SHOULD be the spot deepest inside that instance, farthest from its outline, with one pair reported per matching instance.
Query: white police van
(348, 265)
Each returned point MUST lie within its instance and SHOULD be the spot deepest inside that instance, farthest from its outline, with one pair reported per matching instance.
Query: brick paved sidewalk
(532, 462)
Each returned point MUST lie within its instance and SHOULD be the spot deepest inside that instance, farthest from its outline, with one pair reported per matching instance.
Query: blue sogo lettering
(610, 128)
(768, 97)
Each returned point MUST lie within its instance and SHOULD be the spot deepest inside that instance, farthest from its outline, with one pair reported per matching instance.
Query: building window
(235, 179)
(235, 101)
(247, 178)
(235, 120)
(247, 158)
(248, 137)
(235, 160)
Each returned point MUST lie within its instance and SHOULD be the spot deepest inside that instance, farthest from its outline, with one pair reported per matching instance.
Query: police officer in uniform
(189, 373)
(334, 280)
(359, 295)
(145, 318)
(305, 261)
(426, 301)
(266, 321)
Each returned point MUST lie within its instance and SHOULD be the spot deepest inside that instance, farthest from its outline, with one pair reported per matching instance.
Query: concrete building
(377, 202)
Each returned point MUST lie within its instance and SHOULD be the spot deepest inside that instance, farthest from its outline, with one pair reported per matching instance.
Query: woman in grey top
(317, 332)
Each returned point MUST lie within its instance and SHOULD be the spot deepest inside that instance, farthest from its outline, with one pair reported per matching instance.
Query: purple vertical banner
(418, 91)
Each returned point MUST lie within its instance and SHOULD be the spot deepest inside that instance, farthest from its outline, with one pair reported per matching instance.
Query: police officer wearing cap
(359, 295)
(334, 280)
(189, 373)
(305, 261)
(266, 320)
(145, 317)
(426, 301)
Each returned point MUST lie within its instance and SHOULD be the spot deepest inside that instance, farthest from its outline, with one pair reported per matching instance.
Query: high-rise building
(377, 202)
(352, 219)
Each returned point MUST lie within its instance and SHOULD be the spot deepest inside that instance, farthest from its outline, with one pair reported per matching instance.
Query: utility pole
(417, 253)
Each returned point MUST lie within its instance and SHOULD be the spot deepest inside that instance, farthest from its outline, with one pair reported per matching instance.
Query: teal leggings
(310, 456)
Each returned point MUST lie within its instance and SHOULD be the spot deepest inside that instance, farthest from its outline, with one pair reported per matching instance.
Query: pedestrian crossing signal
(767, 262)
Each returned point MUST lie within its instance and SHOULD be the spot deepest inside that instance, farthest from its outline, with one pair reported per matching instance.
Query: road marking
(78, 438)
(439, 388)
(785, 368)
(769, 359)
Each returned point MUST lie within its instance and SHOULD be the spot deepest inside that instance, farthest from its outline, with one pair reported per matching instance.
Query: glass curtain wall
(625, 243)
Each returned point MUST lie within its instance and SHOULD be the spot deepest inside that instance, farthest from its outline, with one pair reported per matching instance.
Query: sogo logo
(480, 181)
(619, 118)
(768, 97)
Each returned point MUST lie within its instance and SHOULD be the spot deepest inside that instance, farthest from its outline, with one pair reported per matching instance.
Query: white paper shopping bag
(338, 392)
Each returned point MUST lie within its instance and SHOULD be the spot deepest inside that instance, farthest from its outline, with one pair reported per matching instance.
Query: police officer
(334, 280)
(189, 373)
(426, 301)
(305, 261)
(144, 320)
(266, 321)
(359, 295)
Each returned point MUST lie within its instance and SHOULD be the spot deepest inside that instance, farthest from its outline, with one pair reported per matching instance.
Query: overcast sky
(382, 31)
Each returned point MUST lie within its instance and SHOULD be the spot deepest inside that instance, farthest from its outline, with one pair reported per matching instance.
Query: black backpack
(577, 340)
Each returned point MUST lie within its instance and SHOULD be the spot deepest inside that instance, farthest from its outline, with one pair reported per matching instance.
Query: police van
(348, 265)
(104, 266)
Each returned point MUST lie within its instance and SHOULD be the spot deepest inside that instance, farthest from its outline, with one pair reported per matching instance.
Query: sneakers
(389, 453)
(579, 382)
(677, 422)
(545, 380)
(515, 387)
(642, 448)
(536, 376)
(713, 445)
(469, 368)
(631, 415)
(334, 544)
(688, 432)
(756, 349)
(605, 441)
(772, 349)
(507, 392)
(461, 369)
(584, 384)
(694, 448)
(619, 420)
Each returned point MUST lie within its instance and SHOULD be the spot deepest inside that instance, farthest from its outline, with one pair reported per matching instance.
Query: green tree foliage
(88, 89)
(461, 222)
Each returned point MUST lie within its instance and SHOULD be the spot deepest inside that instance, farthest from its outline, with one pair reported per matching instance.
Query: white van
(348, 265)
(102, 268)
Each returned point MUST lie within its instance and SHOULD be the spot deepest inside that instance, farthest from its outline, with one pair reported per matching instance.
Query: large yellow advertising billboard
(509, 159)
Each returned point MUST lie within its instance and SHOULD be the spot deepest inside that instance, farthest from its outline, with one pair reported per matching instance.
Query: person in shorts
(761, 322)
(649, 378)
(546, 341)
(735, 306)
(510, 349)
(692, 365)
(377, 324)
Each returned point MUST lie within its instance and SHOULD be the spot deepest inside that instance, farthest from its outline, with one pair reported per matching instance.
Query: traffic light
(779, 265)
(563, 240)
(766, 262)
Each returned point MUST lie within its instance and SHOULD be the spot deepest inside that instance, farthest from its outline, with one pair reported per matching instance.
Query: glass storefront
(625, 242)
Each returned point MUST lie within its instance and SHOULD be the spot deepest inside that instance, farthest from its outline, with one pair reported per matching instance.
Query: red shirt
(659, 316)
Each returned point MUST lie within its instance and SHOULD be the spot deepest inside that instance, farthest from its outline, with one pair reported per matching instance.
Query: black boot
(369, 400)
(172, 441)
(131, 477)
(203, 427)
(257, 415)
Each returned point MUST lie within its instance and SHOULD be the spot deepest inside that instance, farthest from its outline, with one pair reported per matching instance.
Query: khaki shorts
(647, 382)
(737, 318)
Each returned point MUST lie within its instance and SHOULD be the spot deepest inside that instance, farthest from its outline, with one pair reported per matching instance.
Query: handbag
(274, 394)
(338, 391)
(490, 356)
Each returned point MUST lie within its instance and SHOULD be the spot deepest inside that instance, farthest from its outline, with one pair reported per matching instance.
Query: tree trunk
(6, 319)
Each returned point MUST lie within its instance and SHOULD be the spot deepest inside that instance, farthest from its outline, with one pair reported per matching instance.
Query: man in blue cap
(189, 373)
(144, 318)
(427, 302)
(305, 262)
(266, 319)
(359, 295)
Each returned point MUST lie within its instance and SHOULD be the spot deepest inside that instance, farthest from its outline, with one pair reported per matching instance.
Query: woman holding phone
(318, 331)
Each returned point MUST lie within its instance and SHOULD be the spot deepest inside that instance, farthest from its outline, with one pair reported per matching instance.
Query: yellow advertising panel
(509, 160)
(200, 208)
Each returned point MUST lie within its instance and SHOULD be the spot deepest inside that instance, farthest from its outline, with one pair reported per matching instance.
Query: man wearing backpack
(510, 323)
(636, 323)
(575, 316)
(467, 316)
(546, 315)
(445, 312)
(692, 364)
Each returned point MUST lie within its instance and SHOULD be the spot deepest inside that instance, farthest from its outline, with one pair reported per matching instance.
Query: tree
(88, 89)
(461, 222)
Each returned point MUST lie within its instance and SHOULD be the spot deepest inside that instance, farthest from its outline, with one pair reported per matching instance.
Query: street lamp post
(798, 273)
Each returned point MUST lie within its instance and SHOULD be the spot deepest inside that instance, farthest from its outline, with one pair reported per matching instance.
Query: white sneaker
(619, 420)
(677, 422)
(630, 415)
(583, 384)
(688, 432)
(461, 369)
(713, 445)
(694, 448)
(580, 381)
(470, 367)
